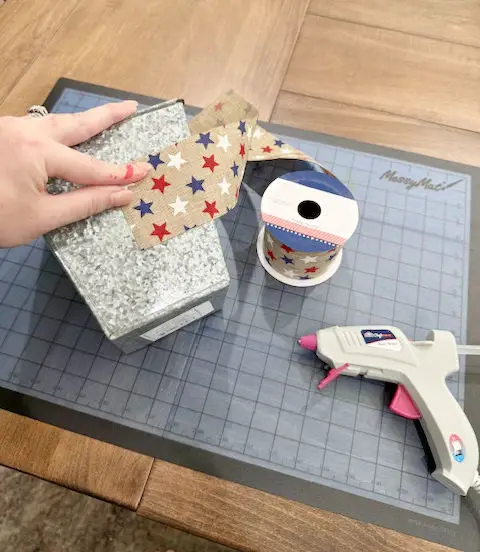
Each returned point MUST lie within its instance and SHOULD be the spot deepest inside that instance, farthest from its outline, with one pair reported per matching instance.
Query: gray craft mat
(235, 384)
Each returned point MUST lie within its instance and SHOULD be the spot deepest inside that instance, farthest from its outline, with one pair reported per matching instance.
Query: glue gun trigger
(403, 405)
(332, 374)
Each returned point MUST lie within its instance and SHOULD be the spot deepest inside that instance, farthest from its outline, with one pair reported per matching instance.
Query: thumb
(58, 210)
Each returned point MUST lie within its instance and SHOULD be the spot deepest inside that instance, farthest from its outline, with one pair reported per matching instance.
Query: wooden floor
(399, 73)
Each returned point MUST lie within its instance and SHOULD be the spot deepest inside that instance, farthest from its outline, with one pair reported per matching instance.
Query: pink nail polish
(128, 172)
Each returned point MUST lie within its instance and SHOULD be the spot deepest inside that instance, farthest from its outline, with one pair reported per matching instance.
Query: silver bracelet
(37, 111)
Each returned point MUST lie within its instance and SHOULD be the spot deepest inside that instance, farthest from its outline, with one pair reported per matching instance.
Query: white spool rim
(332, 267)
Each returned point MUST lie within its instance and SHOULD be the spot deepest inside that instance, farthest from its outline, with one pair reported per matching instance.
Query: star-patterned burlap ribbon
(198, 179)
(297, 265)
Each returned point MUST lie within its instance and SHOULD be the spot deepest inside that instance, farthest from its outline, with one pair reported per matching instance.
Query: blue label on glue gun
(384, 339)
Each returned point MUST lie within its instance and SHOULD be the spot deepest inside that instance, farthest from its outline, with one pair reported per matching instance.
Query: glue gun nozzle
(308, 342)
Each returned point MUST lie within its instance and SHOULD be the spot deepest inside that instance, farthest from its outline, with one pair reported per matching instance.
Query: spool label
(335, 222)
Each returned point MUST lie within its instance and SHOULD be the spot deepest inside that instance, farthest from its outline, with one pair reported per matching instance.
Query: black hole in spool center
(309, 209)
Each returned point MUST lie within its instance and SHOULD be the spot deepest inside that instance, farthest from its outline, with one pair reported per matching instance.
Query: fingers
(57, 210)
(73, 128)
(79, 168)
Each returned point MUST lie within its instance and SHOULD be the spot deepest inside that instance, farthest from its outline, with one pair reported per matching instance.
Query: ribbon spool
(308, 217)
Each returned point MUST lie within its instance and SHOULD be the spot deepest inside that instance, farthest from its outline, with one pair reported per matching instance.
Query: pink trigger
(333, 374)
(403, 405)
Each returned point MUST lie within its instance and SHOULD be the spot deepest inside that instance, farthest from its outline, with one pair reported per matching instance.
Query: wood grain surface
(376, 127)
(248, 519)
(195, 49)
(75, 461)
(25, 28)
(388, 71)
(449, 20)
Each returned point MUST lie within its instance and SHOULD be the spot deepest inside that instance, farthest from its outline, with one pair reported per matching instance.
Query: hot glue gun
(419, 368)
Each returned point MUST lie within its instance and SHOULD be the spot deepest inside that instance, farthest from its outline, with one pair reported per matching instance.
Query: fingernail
(135, 171)
(121, 198)
(131, 103)
(142, 167)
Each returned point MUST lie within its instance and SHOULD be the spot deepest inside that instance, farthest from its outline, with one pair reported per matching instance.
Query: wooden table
(398, 73)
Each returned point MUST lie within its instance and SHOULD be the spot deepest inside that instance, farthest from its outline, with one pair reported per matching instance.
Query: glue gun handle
(449, 434)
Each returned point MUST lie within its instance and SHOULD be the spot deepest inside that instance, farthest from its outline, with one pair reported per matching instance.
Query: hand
(34, 149)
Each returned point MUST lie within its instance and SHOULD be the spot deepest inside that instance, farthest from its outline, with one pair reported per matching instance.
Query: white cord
(476, 483)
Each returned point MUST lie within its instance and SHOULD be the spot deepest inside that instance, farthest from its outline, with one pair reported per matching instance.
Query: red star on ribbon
(271, 255)
(160, 231)
(287, 249)
(311, 269)
(267, 149)
(210, 208)
(160, 183)
(210, 162)
(242, 150)
(218, 106)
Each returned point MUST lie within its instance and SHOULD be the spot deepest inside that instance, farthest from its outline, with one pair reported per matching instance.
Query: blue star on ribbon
(305, 277)
(196, 185)
(186, 228)
(287, 260)
(332, 256)
(155, 160)
(241, 127)
(144, 208)
(279, 143)
(234, 168)
(205, 140)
